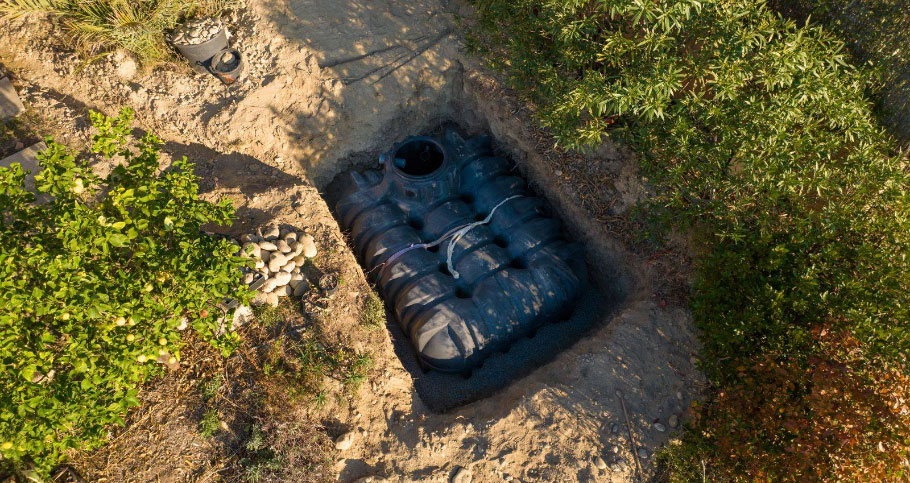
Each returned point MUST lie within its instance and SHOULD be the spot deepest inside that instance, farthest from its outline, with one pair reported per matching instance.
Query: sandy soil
(330, 83)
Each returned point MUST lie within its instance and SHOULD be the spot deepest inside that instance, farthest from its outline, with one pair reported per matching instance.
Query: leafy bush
(758, 134)
(876, 31)
(97, 281)
(840, 415)
(139, 27)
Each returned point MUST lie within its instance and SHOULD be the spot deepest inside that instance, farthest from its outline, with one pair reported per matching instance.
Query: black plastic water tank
(504, 275)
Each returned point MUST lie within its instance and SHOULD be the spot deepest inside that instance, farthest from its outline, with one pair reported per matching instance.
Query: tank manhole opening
(420, 157)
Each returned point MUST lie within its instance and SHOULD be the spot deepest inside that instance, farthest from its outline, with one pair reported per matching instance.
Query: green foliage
(757, 133)
(841, 417)
(97, 281)
(211, 387)
(260, 459)
(267, 315)
(877, 32)
(139, 27)
(303, 364)
(313, 360)
(373, 313)
(210, 423)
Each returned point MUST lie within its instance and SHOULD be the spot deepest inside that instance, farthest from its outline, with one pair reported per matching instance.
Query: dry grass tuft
(139, 27)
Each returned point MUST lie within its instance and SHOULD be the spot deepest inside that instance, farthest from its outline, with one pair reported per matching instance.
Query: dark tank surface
(466, 257)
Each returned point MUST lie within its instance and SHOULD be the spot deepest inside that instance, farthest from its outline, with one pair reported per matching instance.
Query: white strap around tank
(456, 234)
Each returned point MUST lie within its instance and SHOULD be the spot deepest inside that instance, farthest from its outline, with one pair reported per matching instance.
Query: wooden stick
(631, 436)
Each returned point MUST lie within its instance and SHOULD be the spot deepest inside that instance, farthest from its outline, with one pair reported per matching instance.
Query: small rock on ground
(309, 246)
(660, 427)
(344, 441)
(259, 299)
(674, 421)
(126, 66)
(462, 475)
(242, 315)
(28, 158)
(271, 233)
(10, 104)
(600, 463)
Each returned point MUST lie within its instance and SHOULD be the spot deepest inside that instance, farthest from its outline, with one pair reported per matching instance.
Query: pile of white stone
(279, 255)
(197, 31)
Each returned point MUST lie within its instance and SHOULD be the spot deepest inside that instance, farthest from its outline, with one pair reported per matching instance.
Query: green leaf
(119, 240)
(27, 373)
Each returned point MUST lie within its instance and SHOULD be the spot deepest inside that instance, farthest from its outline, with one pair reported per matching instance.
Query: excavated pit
(609, 279)
(328, 93)
(473, 266)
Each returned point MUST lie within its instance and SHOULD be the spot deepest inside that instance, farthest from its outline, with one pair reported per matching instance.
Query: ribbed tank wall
(511, 275)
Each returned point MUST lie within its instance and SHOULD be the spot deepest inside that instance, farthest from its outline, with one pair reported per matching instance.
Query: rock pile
(279, 256)
(197, 31)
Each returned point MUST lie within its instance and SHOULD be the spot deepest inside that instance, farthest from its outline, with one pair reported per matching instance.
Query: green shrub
(875, 31)
(139, 27)
(260, 459)
(211, 387)
(758, 134)
(210, 423)
(373, 313)
(840, 417)
(97, 281)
